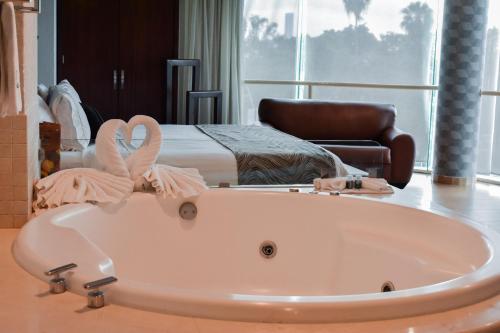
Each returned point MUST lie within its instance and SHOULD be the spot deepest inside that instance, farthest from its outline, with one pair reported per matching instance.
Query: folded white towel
(78, 186)
(107, 151)
(329, 184)
(139, 161)
(10, 79)
(368, 185)
(374, 184)
(171, 181)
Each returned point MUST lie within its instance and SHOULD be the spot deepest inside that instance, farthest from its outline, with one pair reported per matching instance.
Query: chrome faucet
(58, 284)
(95, 298)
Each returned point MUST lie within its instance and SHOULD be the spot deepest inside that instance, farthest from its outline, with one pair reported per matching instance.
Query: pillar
(461, 73)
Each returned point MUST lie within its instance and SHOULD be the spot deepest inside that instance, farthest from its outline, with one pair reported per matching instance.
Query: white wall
(47, 43)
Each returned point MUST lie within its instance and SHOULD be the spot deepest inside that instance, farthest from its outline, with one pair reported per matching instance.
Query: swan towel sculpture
(120, 176)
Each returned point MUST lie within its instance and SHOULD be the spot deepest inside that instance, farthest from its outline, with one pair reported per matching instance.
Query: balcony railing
(311, 84)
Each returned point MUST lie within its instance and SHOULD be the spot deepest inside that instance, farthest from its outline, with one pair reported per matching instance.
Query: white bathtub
(333, 255)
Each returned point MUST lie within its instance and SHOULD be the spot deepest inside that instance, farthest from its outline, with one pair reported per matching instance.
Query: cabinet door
(148, 37)
(88, 45)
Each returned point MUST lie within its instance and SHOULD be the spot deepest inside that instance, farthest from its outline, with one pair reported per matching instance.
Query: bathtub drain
(387, 286)
(268, 249)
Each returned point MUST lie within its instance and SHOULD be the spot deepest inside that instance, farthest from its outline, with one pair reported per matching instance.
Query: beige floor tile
(6, 221)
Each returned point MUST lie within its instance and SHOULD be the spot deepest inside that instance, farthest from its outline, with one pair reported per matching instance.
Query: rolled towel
(167, 180)
(374, 184)
(80, 185)
(329, 184)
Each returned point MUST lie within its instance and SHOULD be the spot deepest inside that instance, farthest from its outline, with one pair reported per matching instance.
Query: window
(269, 50)
(347, 41)
(489, 124)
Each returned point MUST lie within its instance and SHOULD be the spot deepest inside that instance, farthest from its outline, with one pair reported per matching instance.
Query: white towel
(80, 185)
(329, 184)
(165, 180)
(139, 162)
(106, 148)
(171, 181)
(368, 185)
(374, 184)
(10, 79)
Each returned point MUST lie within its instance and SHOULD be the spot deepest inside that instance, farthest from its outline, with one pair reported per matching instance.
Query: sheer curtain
(489, 125)
(210, 30)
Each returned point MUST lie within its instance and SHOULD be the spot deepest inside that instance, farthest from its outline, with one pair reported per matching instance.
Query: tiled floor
(26, 307)
(480, 204)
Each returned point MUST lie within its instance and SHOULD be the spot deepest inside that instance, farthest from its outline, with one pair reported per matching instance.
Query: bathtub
(268, 256)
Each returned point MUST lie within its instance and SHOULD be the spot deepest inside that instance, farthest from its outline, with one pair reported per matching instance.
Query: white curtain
(210, 30)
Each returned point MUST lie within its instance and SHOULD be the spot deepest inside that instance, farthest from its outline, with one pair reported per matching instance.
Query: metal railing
(311, 84)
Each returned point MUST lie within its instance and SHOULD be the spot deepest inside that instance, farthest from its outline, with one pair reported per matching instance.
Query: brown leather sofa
(361, 134)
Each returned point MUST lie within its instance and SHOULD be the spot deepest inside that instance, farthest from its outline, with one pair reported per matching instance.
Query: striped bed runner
(266, 156)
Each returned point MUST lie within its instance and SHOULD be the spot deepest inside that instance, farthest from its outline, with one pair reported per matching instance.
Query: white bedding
(184, 146)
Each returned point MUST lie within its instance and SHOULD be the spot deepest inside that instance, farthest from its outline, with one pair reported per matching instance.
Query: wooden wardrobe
(114, 52)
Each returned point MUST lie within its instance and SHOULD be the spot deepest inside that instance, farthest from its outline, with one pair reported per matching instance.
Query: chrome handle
(122, 79)
(100, 283)
(58, 284)
(95, 298)
(115, 79)
(58, 270)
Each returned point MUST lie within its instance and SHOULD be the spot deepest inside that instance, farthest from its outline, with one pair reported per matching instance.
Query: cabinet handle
(122, 79)
(115, 79)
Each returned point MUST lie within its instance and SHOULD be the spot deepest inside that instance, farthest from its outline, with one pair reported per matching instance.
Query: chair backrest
(327, 120)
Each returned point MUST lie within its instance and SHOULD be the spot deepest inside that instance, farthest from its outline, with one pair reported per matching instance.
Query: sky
(381, 16)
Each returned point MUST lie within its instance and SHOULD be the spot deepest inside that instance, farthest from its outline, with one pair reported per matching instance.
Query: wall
(47, 43)
(19, 135)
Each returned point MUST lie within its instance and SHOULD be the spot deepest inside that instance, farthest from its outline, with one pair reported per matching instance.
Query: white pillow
(43, 92)
(63, 87)
(75, 129)
(44, 112)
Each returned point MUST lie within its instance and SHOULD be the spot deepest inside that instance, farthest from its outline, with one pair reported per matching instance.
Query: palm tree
(417, 19)
(356, 7)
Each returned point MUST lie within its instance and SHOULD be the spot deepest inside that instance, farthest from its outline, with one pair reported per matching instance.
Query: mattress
(183, 146)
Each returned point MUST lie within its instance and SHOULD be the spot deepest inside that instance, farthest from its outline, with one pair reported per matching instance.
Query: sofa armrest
(402, 148)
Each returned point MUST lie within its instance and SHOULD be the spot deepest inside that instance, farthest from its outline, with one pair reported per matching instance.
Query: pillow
(43, 92)
(95, 119)
(44, 111)
(75, 128)
(63, 87)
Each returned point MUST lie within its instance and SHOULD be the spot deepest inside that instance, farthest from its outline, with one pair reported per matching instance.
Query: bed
(238, 155)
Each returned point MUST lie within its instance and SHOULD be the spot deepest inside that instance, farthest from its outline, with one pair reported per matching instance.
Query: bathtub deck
(26, 307)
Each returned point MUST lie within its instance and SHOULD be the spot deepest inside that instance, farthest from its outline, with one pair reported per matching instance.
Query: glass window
(366, 41)
(489, 124)
(352, 41)
(269, 50)
(413, 110)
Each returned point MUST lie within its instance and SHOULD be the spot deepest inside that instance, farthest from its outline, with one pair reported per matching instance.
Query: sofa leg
(398, 185)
